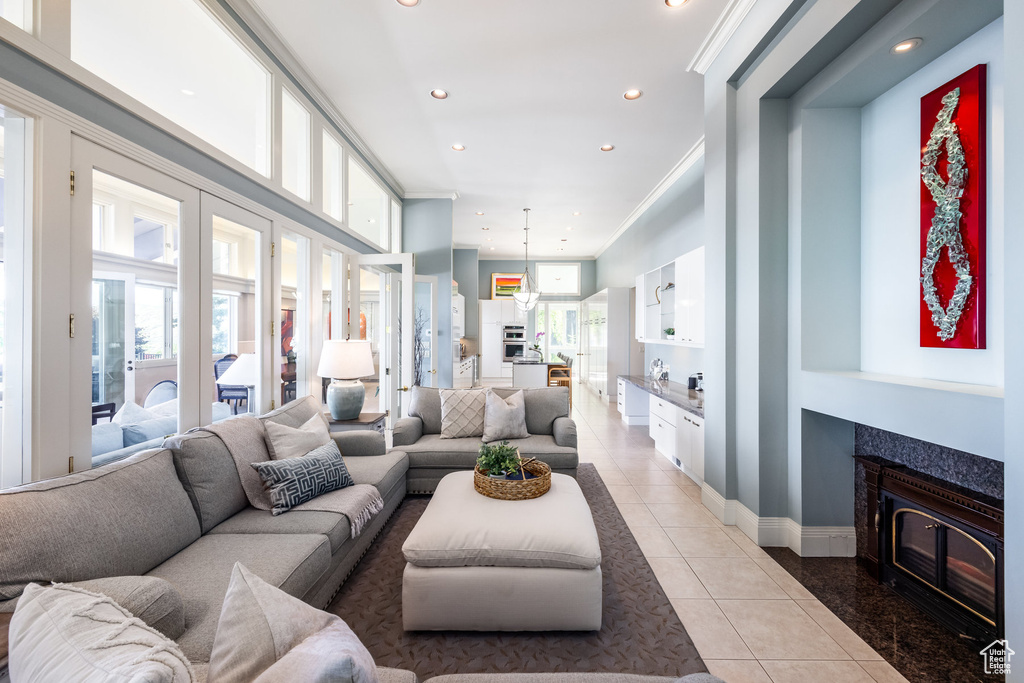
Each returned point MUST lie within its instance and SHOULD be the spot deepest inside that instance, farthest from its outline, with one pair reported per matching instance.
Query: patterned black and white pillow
(295, 480)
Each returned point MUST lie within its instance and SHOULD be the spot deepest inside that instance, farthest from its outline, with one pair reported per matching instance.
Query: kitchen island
(530, 374)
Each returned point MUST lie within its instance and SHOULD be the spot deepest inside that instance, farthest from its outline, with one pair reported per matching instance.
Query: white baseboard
(636, 419)
(782, 532)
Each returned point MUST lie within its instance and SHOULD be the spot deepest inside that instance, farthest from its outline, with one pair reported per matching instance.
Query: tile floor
(750, 620)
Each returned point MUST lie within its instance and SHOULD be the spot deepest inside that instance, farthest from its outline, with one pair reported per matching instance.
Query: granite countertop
(673, 392)
(537, 362)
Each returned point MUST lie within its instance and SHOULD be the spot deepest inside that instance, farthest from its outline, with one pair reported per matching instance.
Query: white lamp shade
(346, 359)
(245, 372)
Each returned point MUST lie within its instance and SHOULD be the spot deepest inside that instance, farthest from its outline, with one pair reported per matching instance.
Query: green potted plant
(670, 333)
(498, 460)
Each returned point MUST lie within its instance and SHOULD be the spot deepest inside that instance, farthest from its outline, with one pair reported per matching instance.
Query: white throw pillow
(132, 413)
(285, 442)
(462, 413)
(65, 633)
(267, 636)
(505, 418)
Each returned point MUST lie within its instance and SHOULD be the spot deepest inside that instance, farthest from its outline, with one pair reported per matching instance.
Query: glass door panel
(237, 317)
(295, 281)
(370, 326)
(135, 330)
(425, 332)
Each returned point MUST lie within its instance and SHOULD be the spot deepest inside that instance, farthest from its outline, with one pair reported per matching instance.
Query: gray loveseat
(552, 436)
(160, 531)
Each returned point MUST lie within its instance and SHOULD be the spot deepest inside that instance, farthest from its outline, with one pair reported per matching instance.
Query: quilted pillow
(296, 480)
(462, 413)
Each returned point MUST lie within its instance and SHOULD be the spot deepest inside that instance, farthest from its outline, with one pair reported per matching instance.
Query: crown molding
(726, 24)
(257, 22)
(436, 194)
(695, 154)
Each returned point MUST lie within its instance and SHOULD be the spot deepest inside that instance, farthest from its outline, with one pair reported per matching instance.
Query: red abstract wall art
(953, 221)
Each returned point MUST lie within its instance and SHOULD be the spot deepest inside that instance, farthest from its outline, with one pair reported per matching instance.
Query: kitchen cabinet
(604, 352)
(678, 435)
(672, 297)
(494, 315)
(464, 373)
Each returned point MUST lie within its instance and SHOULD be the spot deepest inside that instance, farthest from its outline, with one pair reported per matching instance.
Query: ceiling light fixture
(565, 239)
(485, 228)
(607, 148)
(905, 46)
(569, 228)
(459, 148)
(633, 94)
(439, 94)
(527, 294)
(670, 3)
(492, 248)
(408, 3)
(575, 213)
(479, 213)
(490, 239)
(185, 91)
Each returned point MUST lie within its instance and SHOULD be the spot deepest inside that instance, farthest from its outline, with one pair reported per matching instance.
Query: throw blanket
(360, 503)
(244, 438)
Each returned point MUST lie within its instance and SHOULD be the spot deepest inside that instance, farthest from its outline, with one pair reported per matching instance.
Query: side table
(374, 421)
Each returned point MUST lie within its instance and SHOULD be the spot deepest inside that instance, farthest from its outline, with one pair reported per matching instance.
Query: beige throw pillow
(505, 418)
(267, 636)
(65, 633)
(462, 413)
(285, 442)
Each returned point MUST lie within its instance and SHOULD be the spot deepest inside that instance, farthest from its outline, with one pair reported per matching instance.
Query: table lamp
(244, 372)
(345, 362)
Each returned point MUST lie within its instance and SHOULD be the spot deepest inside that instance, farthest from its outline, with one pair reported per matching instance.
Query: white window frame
(579, 276)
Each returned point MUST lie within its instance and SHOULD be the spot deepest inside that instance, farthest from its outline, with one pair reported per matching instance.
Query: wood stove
(937, 544)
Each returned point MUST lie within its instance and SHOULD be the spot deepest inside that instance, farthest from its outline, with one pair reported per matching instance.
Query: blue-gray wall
(672, 226)
(466, 273)
(427, 233)
(588, 276)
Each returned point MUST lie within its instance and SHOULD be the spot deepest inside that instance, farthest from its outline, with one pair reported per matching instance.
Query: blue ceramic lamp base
(345, 399)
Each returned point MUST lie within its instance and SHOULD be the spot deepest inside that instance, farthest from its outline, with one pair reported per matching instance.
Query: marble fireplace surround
(964, 469)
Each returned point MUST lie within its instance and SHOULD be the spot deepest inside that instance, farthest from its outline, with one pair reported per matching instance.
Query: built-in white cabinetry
(458, 316)
(672, 298)
(464, 373)
(679, 435)
(605, 335)
(494, 315)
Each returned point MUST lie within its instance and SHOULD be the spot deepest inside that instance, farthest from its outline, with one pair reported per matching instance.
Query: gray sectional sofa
(552, 436)
(160, 531)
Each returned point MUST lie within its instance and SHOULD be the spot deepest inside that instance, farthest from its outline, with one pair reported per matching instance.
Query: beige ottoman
(478, 564)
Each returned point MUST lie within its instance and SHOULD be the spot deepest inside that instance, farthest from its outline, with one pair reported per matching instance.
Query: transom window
(558, 279)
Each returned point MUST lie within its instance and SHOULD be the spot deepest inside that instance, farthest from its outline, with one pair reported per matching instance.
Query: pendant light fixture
(527, 295)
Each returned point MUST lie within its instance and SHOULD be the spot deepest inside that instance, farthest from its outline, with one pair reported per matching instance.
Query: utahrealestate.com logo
(997, 657)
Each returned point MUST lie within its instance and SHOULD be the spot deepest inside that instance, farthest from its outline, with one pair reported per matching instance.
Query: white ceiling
(535, 89)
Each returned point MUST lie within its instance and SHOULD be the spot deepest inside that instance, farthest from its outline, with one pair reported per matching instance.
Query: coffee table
(474, 563)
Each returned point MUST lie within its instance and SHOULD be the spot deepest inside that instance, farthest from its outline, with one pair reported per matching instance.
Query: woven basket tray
(515, 489)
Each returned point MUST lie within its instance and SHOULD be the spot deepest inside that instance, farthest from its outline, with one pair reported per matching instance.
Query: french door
(135, 245)
(397, 286)
(425, 361)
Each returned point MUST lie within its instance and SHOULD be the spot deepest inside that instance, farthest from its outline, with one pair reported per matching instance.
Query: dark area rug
(915, 644)
(640, 634)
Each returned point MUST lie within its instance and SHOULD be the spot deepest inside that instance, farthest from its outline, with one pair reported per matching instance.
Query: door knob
(404, 389)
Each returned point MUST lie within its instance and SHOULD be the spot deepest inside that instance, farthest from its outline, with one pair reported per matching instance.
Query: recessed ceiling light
(439, 94)
(479, 213)
(569, 228)
(490, 239)
(905, 46)
(492, 248)
(607, 148)
(485, 228)
(185, 91)
(351, 204)
(575, 213)
(670, 3)
(408, 3)
(459, 148)
(633, 94)
(565, 239)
